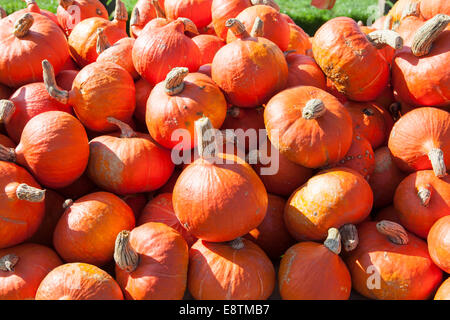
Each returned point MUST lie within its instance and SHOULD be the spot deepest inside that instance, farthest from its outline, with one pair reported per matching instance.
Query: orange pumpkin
(143, 90)
(304, 71)
(199, 11)
(430, 8)
(235, 270)
(32, 6)
(222, 10)
(438, 245)
(143, 12)
(208, 46)
(298, 40)
(443, 293)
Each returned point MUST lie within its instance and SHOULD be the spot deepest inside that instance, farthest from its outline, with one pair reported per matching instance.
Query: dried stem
(159, 11)
(125, 129)
(237, 28)
(3, 13)
(349, 236)
(333, 241)
(206, 137)
(427, 34)
(270, 3)
(7, 109)
(65, 3)
(135, 19)
(30, 194)
(313, 109)
(50, 84)
(23, 25)
(382, 38)
(424, 194)
(174, 83)
(8, 262)
(121, 13)
(102, 41)
(124, 255)
(395, 232)
(436, 157)
(237, 243)
(258, 28)
(7, 154)
(189, 26)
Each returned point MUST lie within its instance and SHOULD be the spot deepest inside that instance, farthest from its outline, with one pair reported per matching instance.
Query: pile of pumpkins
(92, 205)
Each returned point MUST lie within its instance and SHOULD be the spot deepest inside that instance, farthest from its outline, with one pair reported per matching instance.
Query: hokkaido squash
(71, 12)
(438, 245)
(208, 46)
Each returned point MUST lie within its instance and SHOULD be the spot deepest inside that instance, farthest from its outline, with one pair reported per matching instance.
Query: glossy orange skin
(311, 143)
(310, 271)
(389, 213)
(208, 46)
(219, 202)
(19, 218)
(6, 141)
(438, 244)
(443, 293)
(304, 71)
(408, 72)
(406, 271)
(271, 235)
(143, 90)
(88, 229)
(120, 53)
(219, 272)
(163, 266)
(198, 11)
(342, 50)
(276, 28)
(154, 61)
(414, 216)
(415, 134)
(83, 38)
(385, 178)
(45, 40)
(30, 100)
(54, 147)
(128, 165)
(287, 178)
(78, 281)
(222, 10)
(65, 79)
(166, 114)
(372, 127)
(298, 40)
(69, 17)
(160, 209)
(331, 198)
(146, 13)
(35, 262)
(250, 71)
(102, 90)
(430, 8)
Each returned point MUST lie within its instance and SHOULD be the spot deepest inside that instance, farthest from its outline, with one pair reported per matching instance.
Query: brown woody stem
(382, 38)
(174, 83)
(313, 109)
(23, 25)
(124, 255)
(206, 138)
(234, 112)
(67, 203)
(270, 3)
(135, 19)
(424, 194)
(395, 109)
(349, 236)
(50, 84)
(237, 28)
(8, 262)
(427, 33)
(121, 13)
(7, 154)
(333, 241)
(237, 243)
(102, 41)
(125, 129)
(412, 9)
(7, 109)
(159, 11)
(395, 232)
(3, 13)
(65, 3)
(258, 28)
(387, 22)
(436, 157)
(189, 26)
(30, 194)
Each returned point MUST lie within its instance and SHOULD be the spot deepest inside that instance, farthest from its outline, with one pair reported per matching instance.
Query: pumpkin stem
(159, 11)
(135, 17)
(102, 41)
(124, 255)
(237, 28)
(270, 3)
(387, 22)
(382, 38)
(412, 9)
(313, 109)
(30, 194)
(125, 129)
(234, 112)
(424, 194)
(8, 262)
(121, 13)
(237, 244)
(32, 6)
(65, 3)
(427, 33)
(288, 52)
(206, 136)
(2, 13)
(7, 109)
(395, 232)
(436, 157)
(368, 112)
(23, 25)
(333, 241)
(50, 84)
(395, 109)
(7, 154)
(189, 26)
(258, 28)
(174, 83)
(349, 235)
(67, 203)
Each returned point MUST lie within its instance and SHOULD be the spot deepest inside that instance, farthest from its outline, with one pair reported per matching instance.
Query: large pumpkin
(438, 246)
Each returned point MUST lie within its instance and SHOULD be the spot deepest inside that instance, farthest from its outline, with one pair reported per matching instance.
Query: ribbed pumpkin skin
(310, 143)
(146, 13)
(88, 228)
(163, 266)
(160, 209)
(443, 293)
(222, 10)
(78, 281)
(310, 271)
(342, 50)
(30, 100)
(128, 165)
(35, 262)
(102, 90)
(406, 271)
(331, 198)
(208, 46)
(199, 11)
(86, 9)
(120, 53)
(219, 202)
(298, 40)
(415, 134)
(217, 271)
(45, 40)
(154, 61)
(438, 246)
(304, 71)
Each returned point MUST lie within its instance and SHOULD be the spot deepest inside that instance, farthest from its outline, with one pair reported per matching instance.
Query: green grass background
(306, 16)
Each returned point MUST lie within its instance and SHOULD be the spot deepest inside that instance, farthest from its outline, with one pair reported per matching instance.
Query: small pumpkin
(199, 11)
(438, 246)
(208, 46)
